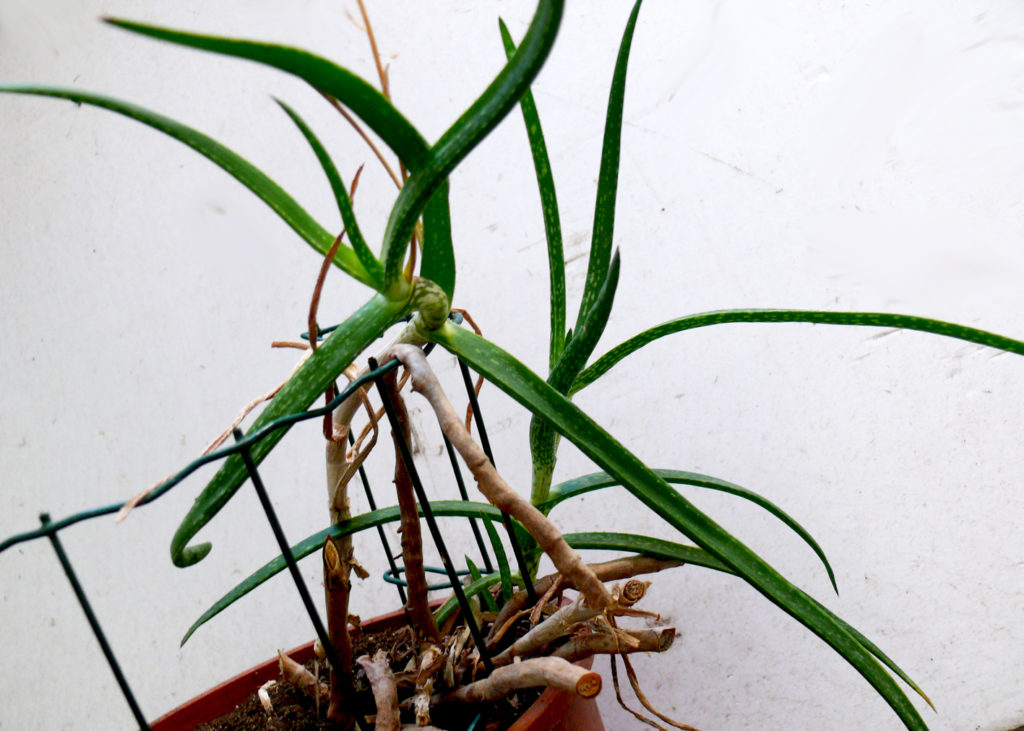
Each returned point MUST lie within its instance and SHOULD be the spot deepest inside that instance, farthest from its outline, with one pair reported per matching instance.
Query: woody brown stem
(494, 488)
(420, 616)
(336, 589)
(553, 672)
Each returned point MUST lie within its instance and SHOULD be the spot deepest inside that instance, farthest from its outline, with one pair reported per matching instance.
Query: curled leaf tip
(190, 555)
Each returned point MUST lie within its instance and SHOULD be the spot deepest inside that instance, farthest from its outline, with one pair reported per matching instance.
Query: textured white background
(790, 154)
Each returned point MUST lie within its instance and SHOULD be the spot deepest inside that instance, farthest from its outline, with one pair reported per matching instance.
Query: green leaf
(608, 177)
(720, 317)
(348, 216)
(549, 209)
(480, 586)
(368, 104)
(438, 264)
(312, 544)
(467, 132)
(645, 546)
(658, 548)
(320, 370)
(238, 167)
(475, 575)
(501, 559)
(588, 332)
(543, 439)
(599, 480)
(528, 389)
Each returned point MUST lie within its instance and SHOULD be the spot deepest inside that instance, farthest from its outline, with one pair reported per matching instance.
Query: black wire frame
(50, 529)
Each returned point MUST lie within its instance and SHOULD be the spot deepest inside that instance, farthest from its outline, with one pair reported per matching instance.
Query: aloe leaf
(312, 544)
(348, 216)
(657, 548)
(588, 332)
(822, 317)
(333, 355)
(599, 480)
(501, 559)
(232, 163)
(478, 586)
(532, 392)
(368, 104)
(608, 177)
(543, 440)
(438, 264)
(467, 132)
(645, 546)
(549, 209)
(489, 604)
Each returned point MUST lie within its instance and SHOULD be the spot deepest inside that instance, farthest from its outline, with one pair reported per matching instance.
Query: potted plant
(420, 283)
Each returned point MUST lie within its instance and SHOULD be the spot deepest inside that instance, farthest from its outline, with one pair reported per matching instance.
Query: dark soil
(295, 711)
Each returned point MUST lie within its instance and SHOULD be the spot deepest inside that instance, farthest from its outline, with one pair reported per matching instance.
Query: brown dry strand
(301, 678)
(500, 632)
(618, 696)
(325, 265)
(494, 488)
(418, 605)
(366, 138)
(578, 647)
(553, 672)
(376, 53)
(538, 610)
(631, 674)
(614, 570)
(385, 691)
(312, 328)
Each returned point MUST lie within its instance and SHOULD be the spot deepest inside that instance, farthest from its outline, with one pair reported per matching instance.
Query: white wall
(849, 156)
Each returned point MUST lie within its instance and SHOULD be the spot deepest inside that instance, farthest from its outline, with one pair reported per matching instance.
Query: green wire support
(51, 532)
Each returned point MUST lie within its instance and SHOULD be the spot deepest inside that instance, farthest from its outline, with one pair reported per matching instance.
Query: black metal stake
(485, 443)
(94, 623)
(488, 566)
(293, 568)
(435, 532)
(380, 529)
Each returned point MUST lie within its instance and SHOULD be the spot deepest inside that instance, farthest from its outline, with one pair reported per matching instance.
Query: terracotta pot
(555, 710)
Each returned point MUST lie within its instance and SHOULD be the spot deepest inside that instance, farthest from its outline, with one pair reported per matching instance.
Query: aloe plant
(427, 296)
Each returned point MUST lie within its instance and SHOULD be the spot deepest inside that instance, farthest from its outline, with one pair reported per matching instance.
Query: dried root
(553, 672)
(431, 661)
(385, 691)
(302, 679)
(616, 641)
(615, 570)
